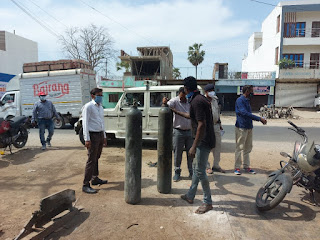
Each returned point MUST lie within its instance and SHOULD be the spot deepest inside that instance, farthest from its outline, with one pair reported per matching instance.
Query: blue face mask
(98, 99)
(189, 95)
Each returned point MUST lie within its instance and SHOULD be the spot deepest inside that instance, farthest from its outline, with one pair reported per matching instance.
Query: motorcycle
(302, 169)
(14, 132)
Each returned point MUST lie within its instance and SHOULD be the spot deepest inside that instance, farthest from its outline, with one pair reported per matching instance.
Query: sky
(222, 26)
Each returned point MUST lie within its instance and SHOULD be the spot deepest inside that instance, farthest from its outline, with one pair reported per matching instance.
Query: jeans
(199, 174)
(43, 125)
(182, 139)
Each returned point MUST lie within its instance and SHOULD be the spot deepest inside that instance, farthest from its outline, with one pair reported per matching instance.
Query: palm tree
(176, 73)
(195, 56)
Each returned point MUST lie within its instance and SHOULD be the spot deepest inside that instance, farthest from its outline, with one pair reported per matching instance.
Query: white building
(292, 31)
(15, 51)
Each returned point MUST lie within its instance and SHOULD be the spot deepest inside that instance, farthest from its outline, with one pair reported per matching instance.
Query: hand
(87, 144)
(192, 152)
(264, 121)
(221, 128)
(105, 142)
(58, 120)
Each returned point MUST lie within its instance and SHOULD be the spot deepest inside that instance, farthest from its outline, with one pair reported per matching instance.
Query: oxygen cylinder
(164, 166)
(132, 186)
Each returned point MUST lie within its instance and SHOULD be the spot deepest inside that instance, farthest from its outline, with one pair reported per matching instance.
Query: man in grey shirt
(182, 136)
(43, 112)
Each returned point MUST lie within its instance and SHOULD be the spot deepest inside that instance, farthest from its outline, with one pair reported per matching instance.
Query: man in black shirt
(204, 141)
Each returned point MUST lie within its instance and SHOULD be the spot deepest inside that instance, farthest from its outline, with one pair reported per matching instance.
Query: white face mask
(42, 98)
(211, 94)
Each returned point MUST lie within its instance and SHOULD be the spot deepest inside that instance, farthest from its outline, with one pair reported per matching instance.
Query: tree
(123, 65)
(91, 43)
(195, 56)
(176, 73)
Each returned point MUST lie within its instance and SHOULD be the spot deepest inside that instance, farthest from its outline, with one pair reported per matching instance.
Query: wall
(18, 51)
(263, 58)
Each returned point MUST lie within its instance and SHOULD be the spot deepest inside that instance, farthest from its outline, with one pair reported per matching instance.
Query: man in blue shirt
(244, 130)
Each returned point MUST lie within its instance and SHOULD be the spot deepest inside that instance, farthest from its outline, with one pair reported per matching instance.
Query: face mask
(211, 94)
(189, 95)
(42, 98)
(98, 99)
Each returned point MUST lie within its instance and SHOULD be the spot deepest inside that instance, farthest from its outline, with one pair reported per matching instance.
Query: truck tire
(81, 136)
(58, 125)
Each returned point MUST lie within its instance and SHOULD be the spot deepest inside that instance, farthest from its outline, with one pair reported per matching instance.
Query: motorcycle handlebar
(293, 125)
(299, 129)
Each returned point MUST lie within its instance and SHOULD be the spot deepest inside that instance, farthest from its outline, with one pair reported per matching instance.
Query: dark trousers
(94, 153)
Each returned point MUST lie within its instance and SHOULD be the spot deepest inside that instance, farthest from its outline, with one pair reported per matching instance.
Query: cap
(209, 87)
(42, 94)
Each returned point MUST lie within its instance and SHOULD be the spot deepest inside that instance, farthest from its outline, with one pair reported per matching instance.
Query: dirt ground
(31, 174)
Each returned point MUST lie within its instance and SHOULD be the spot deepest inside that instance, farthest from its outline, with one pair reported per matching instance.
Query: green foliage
(195, 55)
(123, 65)
(176, 73)
(286, 63)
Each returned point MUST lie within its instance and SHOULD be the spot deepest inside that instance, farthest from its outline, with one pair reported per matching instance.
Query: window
(296, 57)
(295, 29)
(276, 60)
(113, 98)
(315, 32)
(314, 60)
(156, 98)
(278, 24)
(9, 98)
(130, 98)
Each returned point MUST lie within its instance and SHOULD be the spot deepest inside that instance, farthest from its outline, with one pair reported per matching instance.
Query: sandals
(184, 197)
(204, 208)
(209, 171)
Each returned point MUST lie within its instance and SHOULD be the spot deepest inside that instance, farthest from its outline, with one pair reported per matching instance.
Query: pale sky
(222, 26)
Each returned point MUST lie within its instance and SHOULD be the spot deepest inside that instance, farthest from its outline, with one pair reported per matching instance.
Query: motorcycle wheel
(269, 197)
(22, 139)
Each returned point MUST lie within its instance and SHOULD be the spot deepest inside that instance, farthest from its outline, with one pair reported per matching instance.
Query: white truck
(149, 100)
(69, 90)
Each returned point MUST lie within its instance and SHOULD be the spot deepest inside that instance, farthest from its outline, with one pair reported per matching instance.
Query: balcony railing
(315, 64)
(298, 33)
(246, 75)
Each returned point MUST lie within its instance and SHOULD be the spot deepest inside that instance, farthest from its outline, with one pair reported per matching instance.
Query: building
(14, 52)
(291, 31)
(228, 86)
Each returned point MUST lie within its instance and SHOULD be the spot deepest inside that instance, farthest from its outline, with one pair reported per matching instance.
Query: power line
(274, 5)
(47, 13)
(123, 26)
(35, 19)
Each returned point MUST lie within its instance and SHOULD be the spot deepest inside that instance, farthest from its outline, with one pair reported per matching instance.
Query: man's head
(209, 91)
(247, 91)
(190, 84)
(96, 95)
(42, 96)
(182, 94)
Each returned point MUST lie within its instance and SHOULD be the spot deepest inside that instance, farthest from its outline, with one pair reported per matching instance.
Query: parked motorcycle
(14, 132)
(302, 169)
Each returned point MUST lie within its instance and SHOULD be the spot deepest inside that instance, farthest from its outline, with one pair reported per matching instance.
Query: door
(9, 105)
(154, 108)
(125, 105)
(314, 60)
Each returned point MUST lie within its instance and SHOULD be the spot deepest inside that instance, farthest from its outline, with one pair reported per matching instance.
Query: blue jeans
(43, 125)
(199, 174)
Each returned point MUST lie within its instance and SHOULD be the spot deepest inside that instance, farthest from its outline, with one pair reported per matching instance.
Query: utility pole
(106, 68)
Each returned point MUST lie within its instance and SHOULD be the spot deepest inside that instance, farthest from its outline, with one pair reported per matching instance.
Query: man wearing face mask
(182, 136)
(95, 138)
(244, 130)
(43, 112)
(211, 96)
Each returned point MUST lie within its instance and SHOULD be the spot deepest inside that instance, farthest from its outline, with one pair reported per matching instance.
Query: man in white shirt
(211, 96)
(95, 138)
(182, 135)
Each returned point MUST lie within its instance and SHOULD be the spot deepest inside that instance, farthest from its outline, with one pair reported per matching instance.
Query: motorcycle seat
(16, 121)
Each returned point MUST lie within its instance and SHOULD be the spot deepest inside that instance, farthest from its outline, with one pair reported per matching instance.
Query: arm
(85, 119)
(182, 114)
(104, 132)
(241, 109)
(199, 135)
(34, 113)
(55, 112)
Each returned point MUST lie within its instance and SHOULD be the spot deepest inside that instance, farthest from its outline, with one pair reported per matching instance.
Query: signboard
(4, 79)
(299, 73)
(266, 90)
(128, 81)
